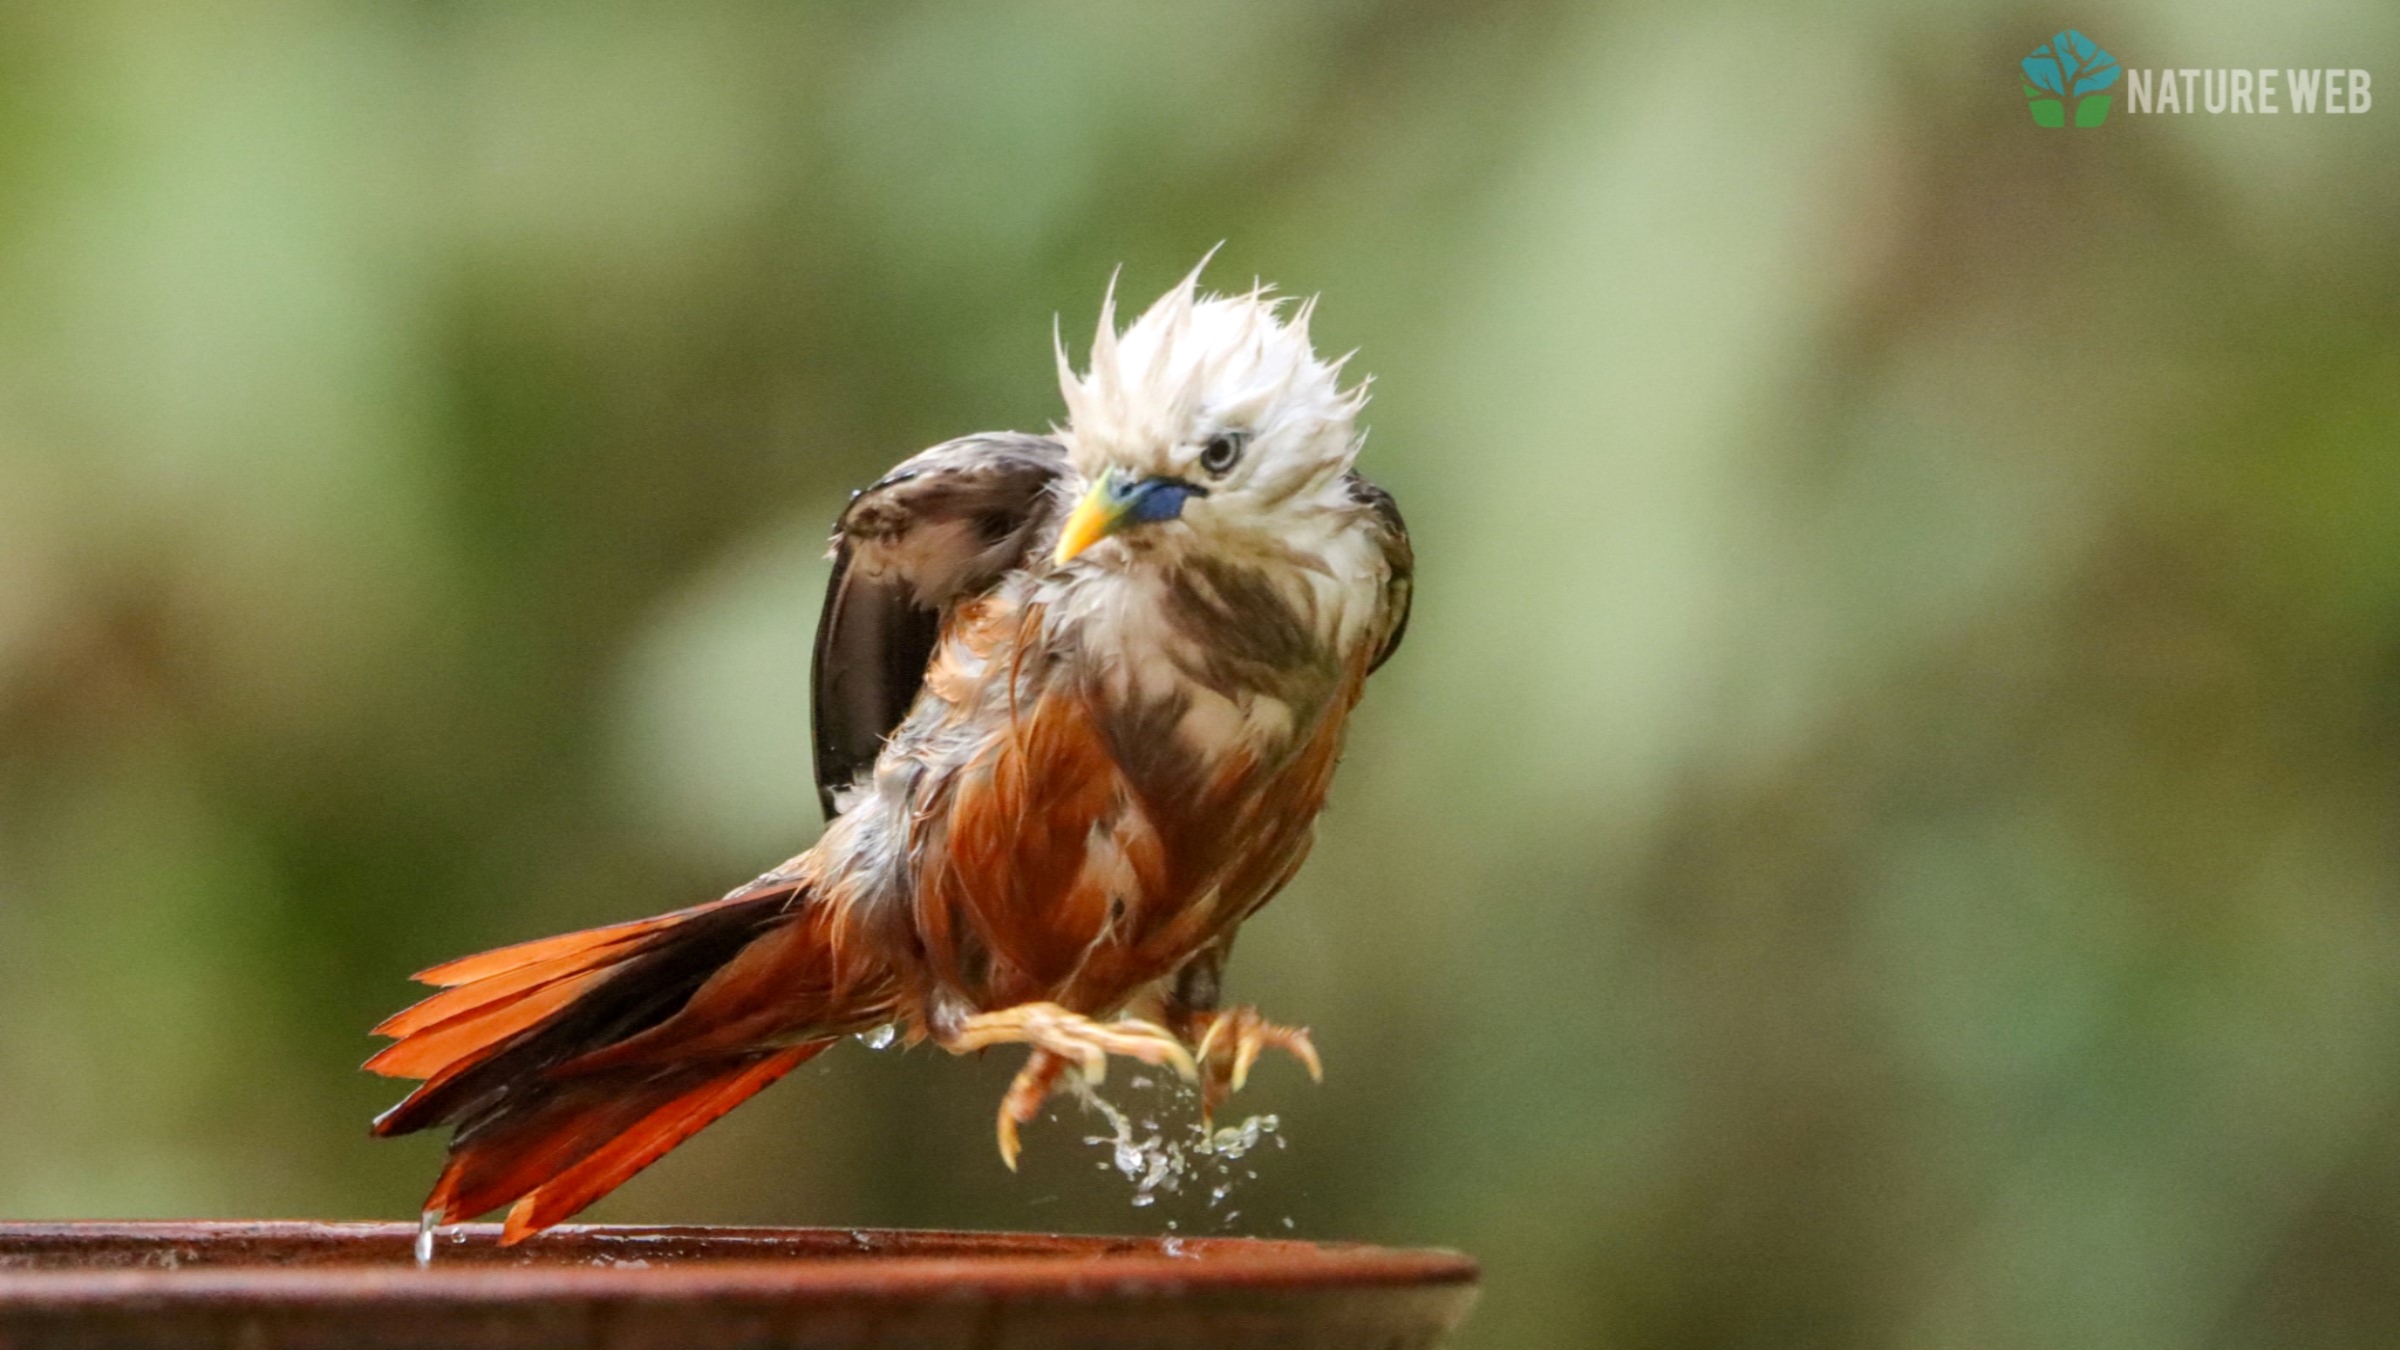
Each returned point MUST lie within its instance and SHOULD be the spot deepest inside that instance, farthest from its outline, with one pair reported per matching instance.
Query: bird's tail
(568, 1064)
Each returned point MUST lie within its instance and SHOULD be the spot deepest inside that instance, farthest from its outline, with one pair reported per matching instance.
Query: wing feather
(1398, 555)
(943, 527)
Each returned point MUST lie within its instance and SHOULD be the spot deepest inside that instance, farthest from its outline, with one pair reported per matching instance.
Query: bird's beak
(1116, 504)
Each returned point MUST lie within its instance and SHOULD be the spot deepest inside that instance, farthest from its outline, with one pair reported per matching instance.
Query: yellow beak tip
(1094, 519)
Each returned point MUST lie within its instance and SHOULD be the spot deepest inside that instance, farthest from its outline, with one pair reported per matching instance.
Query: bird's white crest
(1194, 365)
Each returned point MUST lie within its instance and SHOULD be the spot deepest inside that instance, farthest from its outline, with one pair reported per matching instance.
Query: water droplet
(879, 1038)
(1158, 1159)
(425, 1226)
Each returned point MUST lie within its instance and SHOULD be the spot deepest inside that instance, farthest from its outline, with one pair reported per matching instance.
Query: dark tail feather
(498, 1049)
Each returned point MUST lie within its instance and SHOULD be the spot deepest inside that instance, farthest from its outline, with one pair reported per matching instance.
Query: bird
(1077, 700)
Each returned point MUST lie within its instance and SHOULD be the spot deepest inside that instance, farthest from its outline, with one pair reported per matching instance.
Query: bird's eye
(1223, 452)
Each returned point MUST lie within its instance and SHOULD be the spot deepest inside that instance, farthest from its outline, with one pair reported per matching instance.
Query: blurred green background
(1882, 833)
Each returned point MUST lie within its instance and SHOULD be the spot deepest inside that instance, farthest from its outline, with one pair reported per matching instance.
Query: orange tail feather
(426, 1050)
(514, 1051)
(678, 1118)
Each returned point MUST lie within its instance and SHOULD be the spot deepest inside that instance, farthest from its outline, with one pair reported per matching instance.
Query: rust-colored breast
(1015, 884)
(1050, 871)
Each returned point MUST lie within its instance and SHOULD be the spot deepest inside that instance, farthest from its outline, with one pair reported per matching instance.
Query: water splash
(1163, 1160)
(426, 1222)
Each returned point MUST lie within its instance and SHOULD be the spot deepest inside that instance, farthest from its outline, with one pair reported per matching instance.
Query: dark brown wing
(1397, 553)
(944, 526)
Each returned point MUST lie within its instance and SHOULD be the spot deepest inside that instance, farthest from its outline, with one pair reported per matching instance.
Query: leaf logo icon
(2069, 69)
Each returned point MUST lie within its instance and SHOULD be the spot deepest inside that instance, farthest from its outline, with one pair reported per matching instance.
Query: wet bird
(1077, 702)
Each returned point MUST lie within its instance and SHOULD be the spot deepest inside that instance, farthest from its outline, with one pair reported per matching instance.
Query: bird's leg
(1230, 1041)
(1061, 1038)
(1226, 1041)
(1023, 1100)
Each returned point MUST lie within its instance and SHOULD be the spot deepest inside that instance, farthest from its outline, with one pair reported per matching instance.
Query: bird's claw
(1023, 1100)
(1230, 1046)
(1061, 1038)
(1076, 1038)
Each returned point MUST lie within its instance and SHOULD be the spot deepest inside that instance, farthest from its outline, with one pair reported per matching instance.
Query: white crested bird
(1078, 700)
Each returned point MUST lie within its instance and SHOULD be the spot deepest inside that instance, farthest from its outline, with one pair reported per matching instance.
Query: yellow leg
(1061, 1038)
(1230, 1044)
(1023, 1100)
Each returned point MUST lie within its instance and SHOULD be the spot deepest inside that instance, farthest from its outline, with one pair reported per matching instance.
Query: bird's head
(1209, 420)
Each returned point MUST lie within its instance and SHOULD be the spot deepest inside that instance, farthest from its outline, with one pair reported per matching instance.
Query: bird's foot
(1023, 1100)
(1059, 1039)
(1230, 1042)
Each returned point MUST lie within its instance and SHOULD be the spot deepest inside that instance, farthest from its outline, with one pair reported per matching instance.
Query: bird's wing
(942, 527)
(1398, 556)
